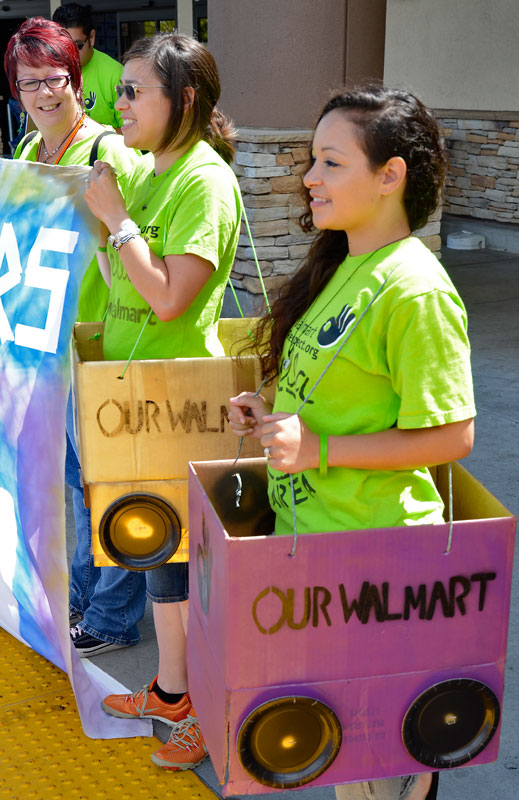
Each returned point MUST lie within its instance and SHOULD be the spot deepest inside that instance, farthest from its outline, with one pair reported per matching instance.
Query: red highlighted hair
(38, 42)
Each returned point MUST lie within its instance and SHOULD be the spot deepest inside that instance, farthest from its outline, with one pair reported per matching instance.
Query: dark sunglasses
(130, 89)
(80, 43)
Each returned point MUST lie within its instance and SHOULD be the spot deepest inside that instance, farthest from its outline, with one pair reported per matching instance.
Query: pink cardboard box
(367, 654)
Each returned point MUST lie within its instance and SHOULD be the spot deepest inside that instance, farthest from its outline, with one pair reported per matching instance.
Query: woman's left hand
(292, 446)
(103, 196)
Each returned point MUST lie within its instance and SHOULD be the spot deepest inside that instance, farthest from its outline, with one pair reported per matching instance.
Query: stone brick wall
(483, 166)
(269, 165)
(430, 233)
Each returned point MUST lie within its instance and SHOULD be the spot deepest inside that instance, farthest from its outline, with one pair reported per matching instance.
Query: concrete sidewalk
(488, 281)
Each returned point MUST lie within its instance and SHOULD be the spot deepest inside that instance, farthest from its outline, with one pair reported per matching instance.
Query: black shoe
(87, 645)
(433, 790)
(74, 617)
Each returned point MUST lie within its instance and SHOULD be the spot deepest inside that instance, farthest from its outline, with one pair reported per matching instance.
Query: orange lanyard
(66, 142)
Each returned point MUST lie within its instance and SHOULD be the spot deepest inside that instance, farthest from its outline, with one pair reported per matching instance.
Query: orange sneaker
(146, 703)
(185, 747)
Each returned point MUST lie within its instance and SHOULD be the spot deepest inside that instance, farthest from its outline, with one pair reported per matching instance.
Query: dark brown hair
(73, 15)
(180, 62)
(389, 123)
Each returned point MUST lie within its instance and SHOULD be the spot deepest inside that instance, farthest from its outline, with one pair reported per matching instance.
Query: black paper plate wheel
(289, 741)
(140, 531)
(450, 723)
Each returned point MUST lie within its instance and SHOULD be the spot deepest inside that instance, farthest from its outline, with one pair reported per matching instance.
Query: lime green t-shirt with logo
(94, 291)
(99, 78)
(406, 364)
(192, 207)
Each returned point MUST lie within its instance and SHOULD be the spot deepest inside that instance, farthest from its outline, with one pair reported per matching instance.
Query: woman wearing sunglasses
(171, 244)
(44, 72)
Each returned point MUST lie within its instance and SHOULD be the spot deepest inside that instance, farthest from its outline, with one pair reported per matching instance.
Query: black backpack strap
(95, 146)
(27, 140)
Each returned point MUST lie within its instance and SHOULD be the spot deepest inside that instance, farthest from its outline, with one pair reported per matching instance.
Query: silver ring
(266, 452)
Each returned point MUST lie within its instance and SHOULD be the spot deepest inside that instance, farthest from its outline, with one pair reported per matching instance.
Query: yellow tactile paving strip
(44, 754)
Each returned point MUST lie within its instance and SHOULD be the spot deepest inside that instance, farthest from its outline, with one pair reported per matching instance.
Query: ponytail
(221, 135)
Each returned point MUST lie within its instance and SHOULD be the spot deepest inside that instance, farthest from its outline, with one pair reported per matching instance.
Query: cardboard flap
(471, 499)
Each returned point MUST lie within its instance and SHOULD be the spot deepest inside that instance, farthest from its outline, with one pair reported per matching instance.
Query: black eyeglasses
(52, 82)
(130, 89)
(80, 43)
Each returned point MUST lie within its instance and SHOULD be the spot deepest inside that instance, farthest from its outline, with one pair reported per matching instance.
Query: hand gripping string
(316, 384)
(239, 486)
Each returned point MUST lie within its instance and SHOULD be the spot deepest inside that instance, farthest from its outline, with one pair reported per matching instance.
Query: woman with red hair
(44, 72)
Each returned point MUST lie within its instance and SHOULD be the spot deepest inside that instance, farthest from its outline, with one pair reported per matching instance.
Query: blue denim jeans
(168, 583)
(112, 600)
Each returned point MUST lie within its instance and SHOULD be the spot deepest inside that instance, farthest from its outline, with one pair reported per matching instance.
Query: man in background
(100, 71)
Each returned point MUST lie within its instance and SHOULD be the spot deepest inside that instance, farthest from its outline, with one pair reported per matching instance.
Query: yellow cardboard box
(137, 433)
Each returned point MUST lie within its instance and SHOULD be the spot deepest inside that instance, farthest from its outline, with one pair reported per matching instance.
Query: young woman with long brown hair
(367, 343)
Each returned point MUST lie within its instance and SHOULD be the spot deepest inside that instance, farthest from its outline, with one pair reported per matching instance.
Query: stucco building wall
(278, 62)
(462, 59)
(276, 58)
(455, 55)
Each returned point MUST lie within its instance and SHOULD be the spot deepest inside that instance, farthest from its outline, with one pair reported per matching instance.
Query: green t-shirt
(406, 365)
(94, 291)
(192, 207)
(99, 78)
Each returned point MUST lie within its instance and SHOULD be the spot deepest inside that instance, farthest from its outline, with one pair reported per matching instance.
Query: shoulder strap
(95, 146)
(27, 140)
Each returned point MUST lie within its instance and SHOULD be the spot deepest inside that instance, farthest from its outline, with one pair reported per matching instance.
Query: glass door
(200, 20)
(133, 25)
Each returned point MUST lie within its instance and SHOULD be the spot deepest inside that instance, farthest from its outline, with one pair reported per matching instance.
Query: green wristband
(102, 249)
(323, 455)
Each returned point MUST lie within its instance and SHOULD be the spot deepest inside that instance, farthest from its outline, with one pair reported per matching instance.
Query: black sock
(164, 696)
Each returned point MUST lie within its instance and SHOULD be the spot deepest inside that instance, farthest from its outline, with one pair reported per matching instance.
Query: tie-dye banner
(47, 239)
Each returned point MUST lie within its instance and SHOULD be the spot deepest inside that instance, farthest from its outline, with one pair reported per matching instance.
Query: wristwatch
(129, 230)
